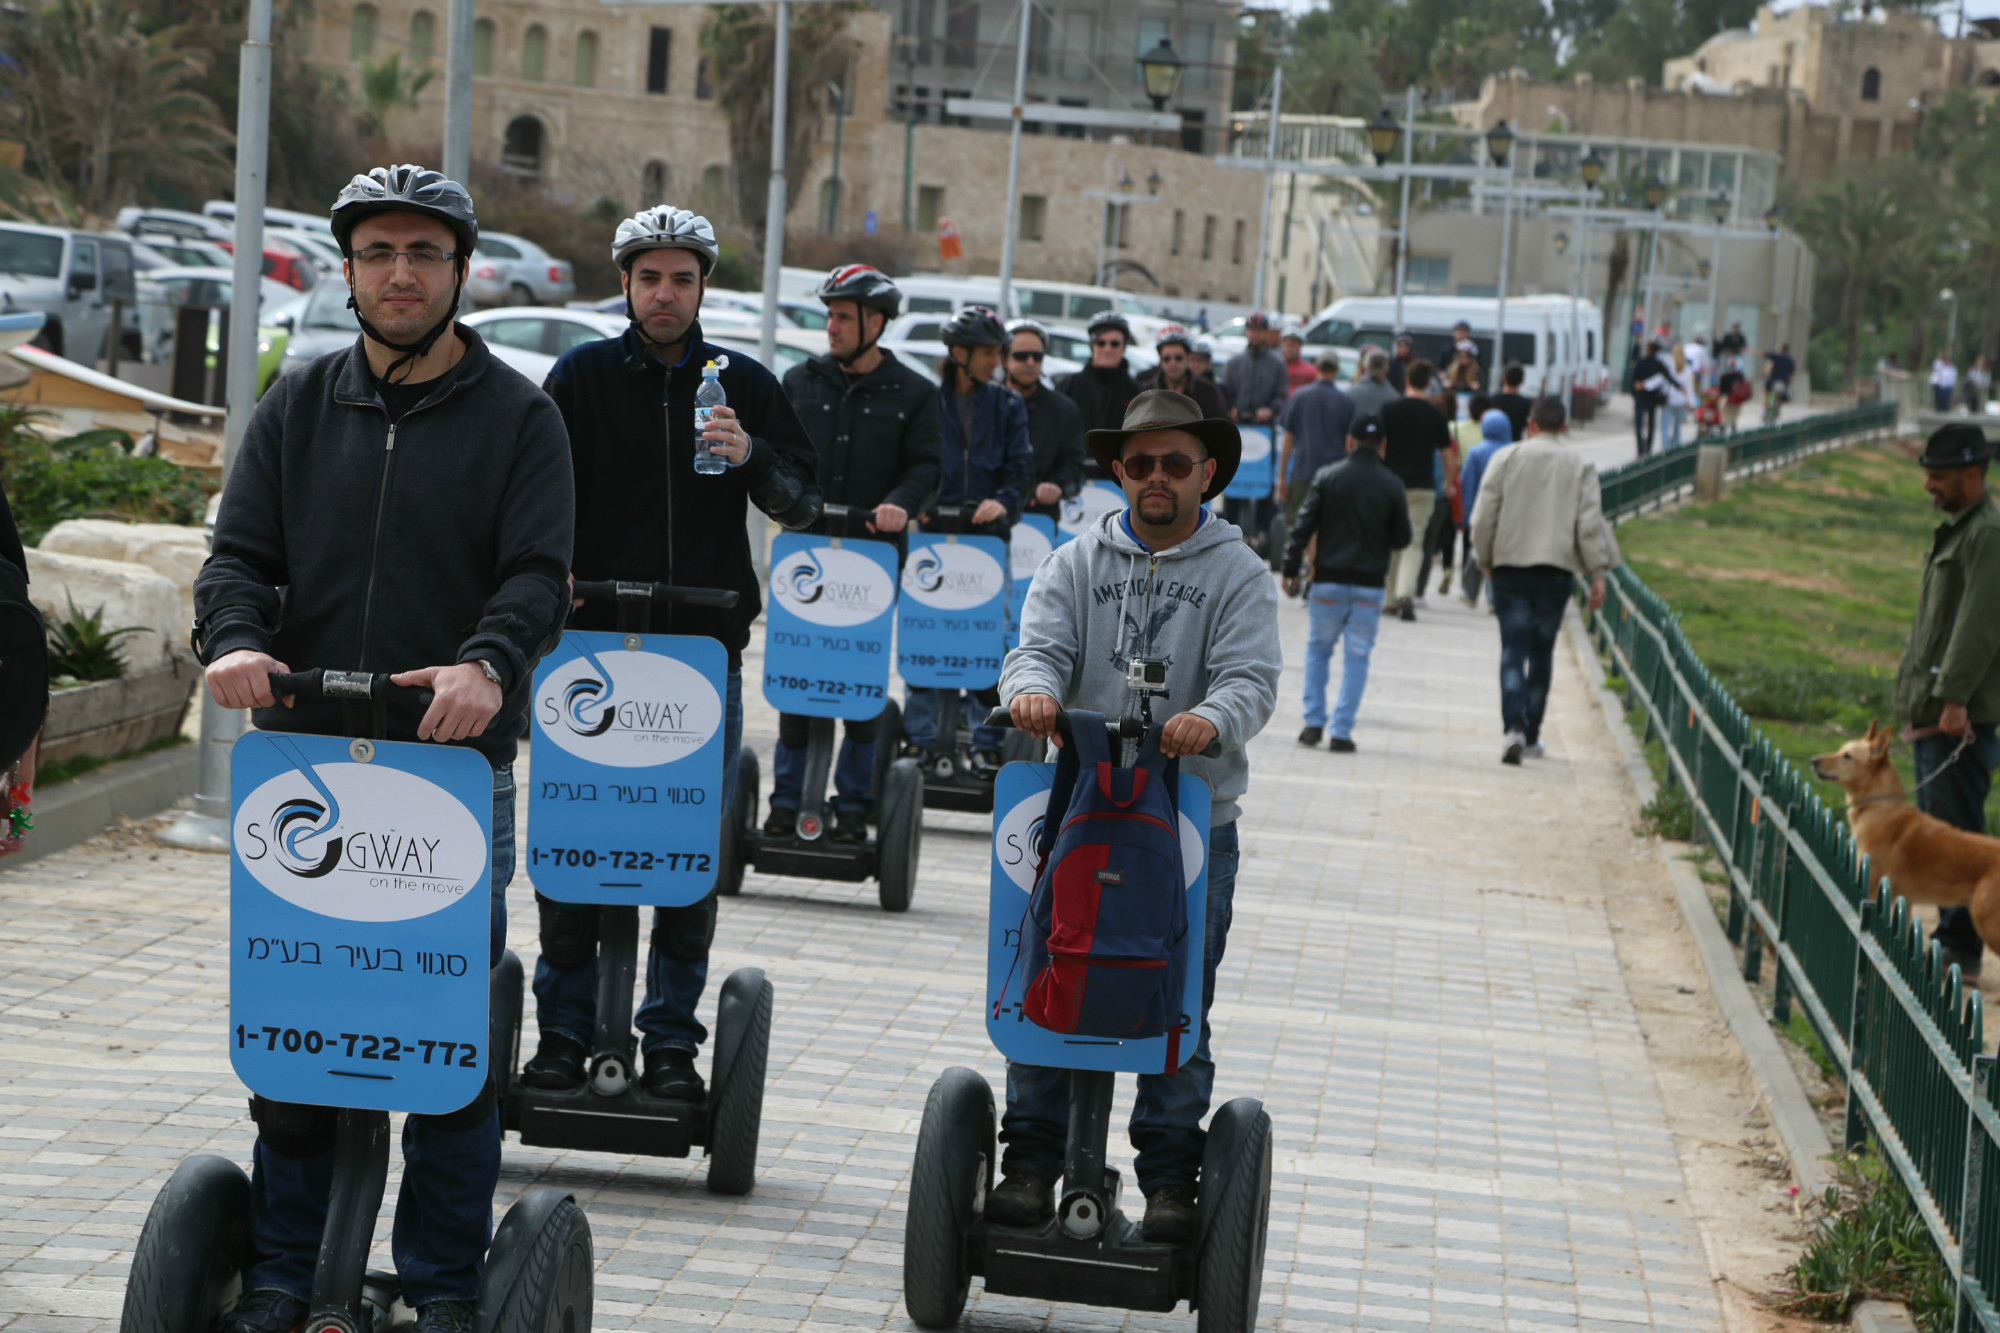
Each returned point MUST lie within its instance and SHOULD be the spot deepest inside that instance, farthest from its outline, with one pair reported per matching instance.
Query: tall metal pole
(206, 826)
(1270, 176)
(910, 41)
(1583, 289)
(1403, 213)
(833, 202)
(1506, 249)
(774, 203)
(1715, 289)
(1013, 205)
(458, 91)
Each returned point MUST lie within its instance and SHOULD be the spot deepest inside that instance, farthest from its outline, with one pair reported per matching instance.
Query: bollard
(1710, 463)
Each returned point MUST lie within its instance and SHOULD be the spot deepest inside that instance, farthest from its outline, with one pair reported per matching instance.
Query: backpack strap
(1165, 771)
(1084, 748)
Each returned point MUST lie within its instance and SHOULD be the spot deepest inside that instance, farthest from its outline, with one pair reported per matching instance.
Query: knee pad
(569, 933)
(684, 933)
(795, 731)
(468, 1116)
(863, 731)
(293, 1130)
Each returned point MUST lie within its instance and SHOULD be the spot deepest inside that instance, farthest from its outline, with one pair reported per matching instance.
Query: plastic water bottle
(706, 400)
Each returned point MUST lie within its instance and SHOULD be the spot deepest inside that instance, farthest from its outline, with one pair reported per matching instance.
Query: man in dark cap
(1948, 683)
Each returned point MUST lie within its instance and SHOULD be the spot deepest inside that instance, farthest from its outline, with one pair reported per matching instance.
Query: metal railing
(1902, 1028)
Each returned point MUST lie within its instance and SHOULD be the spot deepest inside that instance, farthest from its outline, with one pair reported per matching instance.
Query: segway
(360, 904)
(622, 814)
(1090, 1252)
(951, 628)
(1255, 481)
(826, 657)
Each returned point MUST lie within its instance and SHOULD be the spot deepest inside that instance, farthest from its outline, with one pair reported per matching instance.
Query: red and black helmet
(865, 285)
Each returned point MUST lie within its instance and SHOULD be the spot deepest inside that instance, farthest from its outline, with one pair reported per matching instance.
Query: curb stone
(71, 812)
(1882, 1317)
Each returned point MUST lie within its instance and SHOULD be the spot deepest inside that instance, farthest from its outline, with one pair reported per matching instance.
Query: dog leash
(1936, 773)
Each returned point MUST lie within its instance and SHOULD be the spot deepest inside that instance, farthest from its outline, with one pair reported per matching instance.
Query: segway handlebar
(1123, 729)
(608, 590)
(360, 686)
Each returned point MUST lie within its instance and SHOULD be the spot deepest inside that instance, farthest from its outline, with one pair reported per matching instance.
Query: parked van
(1539, 334)
(72, 277)
(225, 211)
(1076, 302)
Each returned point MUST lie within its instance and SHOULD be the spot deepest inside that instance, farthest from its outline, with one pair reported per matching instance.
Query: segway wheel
(539, 1269)
(948, 1187)
(504, 1028)
(900, 840)
(736, 1092)
(1235, 1218)
(742, 822)
(888, 740)
(191, 1250)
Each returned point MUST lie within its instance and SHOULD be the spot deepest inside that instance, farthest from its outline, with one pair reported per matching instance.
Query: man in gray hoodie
(1163, 580)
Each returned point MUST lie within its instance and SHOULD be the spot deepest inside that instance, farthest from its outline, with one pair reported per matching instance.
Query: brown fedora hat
(1163, 409)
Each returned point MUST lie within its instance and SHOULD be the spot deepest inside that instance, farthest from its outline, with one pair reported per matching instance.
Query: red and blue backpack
(1104, 943)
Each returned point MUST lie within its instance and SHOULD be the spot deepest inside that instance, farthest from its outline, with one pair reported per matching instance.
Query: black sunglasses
(1108, 342)
(1140, 466)
(1026, 356)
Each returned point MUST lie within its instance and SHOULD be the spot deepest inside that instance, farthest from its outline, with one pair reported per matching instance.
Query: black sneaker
(1406, 609)
(783, 822)
(448, 1317)
(1169, 1215)
(1311, 735)
(671, 1076)
(1023, 1199)
(266, 1310)
(1340, 745)
(558, 1065)
(850, 828)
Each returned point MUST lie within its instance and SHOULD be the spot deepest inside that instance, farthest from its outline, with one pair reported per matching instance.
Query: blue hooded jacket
(1495, 434)
(997, 463)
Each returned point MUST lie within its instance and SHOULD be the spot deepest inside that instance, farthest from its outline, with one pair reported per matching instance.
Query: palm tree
(386, 86)
(1853, 222)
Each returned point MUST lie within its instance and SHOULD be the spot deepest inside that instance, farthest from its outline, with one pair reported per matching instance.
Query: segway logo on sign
(627, 709)
(360, 842)
(831, 587)
(952, 576)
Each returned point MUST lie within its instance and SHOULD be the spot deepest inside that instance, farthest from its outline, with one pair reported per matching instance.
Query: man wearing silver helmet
(404, 501)
(643, 514)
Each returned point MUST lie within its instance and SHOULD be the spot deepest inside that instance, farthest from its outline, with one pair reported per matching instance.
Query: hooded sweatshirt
(1494, 436)
(1208, 607)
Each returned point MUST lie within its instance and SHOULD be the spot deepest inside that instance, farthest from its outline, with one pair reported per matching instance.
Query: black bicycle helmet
(1110, 319)
(974, 326)
(406, 189)
(865, 285)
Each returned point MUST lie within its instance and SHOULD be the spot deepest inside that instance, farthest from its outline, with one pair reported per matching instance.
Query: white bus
(1558, 340)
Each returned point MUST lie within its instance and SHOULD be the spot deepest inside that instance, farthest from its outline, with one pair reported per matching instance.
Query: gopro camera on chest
(1146, 675)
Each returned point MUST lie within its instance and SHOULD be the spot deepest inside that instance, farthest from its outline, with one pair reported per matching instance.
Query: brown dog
(1924, 859)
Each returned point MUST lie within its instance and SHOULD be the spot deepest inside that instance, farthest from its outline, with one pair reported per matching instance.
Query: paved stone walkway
(1421, 984)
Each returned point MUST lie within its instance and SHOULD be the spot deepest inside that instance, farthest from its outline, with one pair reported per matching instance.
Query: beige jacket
(1539, 505)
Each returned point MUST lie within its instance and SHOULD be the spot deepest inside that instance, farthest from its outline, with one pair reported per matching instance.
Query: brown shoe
(1169, 1215)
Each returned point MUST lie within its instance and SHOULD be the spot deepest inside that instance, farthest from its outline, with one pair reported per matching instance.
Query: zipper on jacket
(667, 420)
(375, 547)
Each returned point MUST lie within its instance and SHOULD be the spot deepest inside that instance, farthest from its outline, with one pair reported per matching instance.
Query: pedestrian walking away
(1978, 385)
(1778, 382)
(1356, 517)
(1417, 435)
(1944, 381)
(1055, 423)
(1371, 389)
(987, 466)
(1495, 432)
(645, 514)
(1649, 380)
(1162, 582)
(873, 422)
(1404, 353)
(334, 548)
(1537, 526)
(1176, 371)
(1313, 431)
(1678, 394)
(1104, 388)
(1948, 682)
(1511, 400)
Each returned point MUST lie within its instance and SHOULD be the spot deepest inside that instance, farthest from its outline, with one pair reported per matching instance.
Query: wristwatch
(492, 672)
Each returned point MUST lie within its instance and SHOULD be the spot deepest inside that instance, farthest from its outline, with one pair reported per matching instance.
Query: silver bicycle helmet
(1109, 319)
(1174, 333)
(665, 228)
(405, 189)
(1033, 326)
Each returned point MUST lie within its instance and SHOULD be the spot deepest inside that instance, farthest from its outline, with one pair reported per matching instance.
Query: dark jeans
(920, 716)
(444, 1211)
(1440, 536)
(1529, 603)
(1645, 415)
(1166, 1118)
(1958, 797)
(853, 769)
(566, 998)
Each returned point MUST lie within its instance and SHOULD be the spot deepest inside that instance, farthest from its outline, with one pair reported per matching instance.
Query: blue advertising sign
(360, 911)
(1081, 511)
(1020, 800)
(1030, 543)
(951, 620)
(1257, 474)
(625, 800)
(828, 625)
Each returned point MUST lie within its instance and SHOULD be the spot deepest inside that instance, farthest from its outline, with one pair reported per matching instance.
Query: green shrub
(91, 475)
(1871, 1242)
(81, 650)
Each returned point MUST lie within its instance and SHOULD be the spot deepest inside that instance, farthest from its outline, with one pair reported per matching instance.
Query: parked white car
(513, 270)
(545, 330)
(916, 339)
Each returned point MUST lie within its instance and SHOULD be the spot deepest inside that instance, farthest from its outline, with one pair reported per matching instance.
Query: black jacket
(343, 543)
(1207, 394)
(642, 512)
(1360, 512)
(1055, 432)
(1103, 395)
(877, 434)
(996, 463)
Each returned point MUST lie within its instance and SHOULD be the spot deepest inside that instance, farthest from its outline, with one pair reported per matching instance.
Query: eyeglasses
(1140, 466)
(1107, 342)
(379, 259)
(1026, 356)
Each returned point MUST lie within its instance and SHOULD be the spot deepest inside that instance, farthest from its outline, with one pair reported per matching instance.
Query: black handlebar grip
(305, 684)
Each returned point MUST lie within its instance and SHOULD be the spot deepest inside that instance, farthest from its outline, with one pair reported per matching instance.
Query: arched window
(521, 152)
(361, 33)
(586, 60)
(423, 36)
(1871, 85)
(653, 185)
(712, 181)
(534, 52)
(482, 47)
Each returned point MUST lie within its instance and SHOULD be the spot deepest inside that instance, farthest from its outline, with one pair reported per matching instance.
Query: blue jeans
(1337, 609)
(920, 714)
(1166, 1119)
(1958, 797)
(1529, 603)
(566, 1000)
(853, 767)
(444, 1212)
(1676, 417)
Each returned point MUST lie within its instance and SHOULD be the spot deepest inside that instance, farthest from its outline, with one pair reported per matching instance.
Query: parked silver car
(70, 276)
(324, 325)
(513, 270)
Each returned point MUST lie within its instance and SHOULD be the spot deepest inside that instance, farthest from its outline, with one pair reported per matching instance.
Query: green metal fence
(1903, 1030)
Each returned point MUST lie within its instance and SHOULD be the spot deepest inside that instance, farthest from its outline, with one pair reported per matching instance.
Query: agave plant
(82, 650)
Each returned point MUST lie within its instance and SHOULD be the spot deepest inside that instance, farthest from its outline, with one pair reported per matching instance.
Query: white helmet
(665, 228)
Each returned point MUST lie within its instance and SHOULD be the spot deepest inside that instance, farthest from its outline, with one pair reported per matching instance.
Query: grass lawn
(1797, 589)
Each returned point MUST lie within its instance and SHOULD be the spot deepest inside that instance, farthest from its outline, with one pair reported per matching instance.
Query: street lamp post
(774, 201)
(1951, 325)
(1654, 192)
(1718, 208)
(1499, 147)
(1403, 212)
(909, 40)
(833, 190)
(1591, 168)
(458, 91)
(1013, 204)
